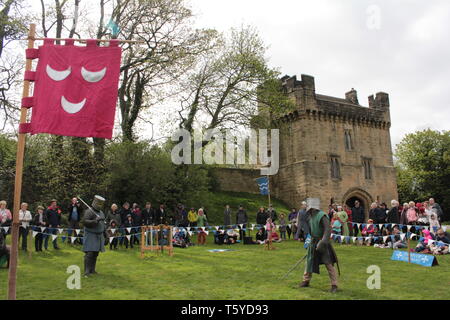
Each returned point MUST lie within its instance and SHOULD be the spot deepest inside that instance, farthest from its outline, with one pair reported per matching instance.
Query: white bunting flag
(111, 239)
(34, 234)
(60, 230)
(342, 238)
(409, 228)
(73, 239)
(42, 229)
(354, 239)
(431, 241)
(412, 236)
(113, 231)
(77, 231)
(129, 230)
(217, 228)
(129, 237)
(190, 233)
(207, 232)
(188, 228)
(366, 238)
(54, 236)
(402, 236)
(6, 229)
(385, 238)
(203, 229)
(241, 225)
(444, 228)
(380, 226)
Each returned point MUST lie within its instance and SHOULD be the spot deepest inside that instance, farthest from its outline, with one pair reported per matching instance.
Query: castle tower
(334, 149)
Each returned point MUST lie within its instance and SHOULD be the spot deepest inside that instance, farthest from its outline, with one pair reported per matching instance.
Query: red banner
(75, 89)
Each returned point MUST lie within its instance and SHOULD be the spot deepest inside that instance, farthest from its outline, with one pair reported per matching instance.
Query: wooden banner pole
(18, 179)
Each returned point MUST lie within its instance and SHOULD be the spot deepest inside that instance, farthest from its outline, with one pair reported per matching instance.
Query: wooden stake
(18, 181)
(409, 248)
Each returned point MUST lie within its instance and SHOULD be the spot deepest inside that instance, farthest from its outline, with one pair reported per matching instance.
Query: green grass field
(248, 272)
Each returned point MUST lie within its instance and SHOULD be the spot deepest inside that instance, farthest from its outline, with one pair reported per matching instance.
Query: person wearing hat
(320, 250)
(40, 221)
(94, 227)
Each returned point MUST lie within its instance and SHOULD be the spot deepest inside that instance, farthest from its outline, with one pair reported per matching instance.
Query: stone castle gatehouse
(330, 148)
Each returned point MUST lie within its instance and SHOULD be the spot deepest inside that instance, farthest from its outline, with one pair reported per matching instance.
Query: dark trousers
(135, 239)
(130, 242)
(74, 225)
(90, 261)
(50, 231)
(38, 241)
(289, 231)
(113, 244)
(355, 230)
(242, 232)
(23, 232)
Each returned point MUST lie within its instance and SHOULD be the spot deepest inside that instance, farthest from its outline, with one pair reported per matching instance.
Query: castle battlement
(327, 108)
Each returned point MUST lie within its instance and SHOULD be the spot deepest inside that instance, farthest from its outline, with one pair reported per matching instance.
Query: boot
(86, 265)
(334, 289)
(303, 284)
(94, 263)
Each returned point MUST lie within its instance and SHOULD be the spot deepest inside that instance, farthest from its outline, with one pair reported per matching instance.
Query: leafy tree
(423, 166)
(229, 83)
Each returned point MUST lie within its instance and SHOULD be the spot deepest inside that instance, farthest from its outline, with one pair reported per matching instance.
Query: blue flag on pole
(263, 184)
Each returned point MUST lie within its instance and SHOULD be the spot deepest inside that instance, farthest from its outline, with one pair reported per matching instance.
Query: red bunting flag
(75, 89)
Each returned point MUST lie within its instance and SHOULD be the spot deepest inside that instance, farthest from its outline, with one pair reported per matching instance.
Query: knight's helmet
(98, 203)
(312, 203)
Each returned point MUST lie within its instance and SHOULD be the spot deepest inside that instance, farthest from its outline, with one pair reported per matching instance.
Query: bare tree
(228, 85)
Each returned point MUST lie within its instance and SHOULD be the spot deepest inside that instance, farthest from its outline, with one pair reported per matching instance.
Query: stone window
(367, 165)
(348, 140)
(335, 167)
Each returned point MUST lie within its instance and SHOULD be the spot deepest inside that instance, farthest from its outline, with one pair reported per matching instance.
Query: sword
(89, 207)
(293, 268)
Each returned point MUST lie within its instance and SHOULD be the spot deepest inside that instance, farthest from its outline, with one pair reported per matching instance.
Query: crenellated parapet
(332, 109)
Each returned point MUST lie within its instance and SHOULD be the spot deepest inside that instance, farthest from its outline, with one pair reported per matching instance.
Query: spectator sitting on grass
(180, 239)
(422, 246)
(368, 231)
(261, 236)
(219, 236)
(231, 236)
(441, 246)
(399, 243)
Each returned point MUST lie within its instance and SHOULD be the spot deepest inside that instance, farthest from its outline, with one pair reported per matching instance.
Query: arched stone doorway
(364, 198)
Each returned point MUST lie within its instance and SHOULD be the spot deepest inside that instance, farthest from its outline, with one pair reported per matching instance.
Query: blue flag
(263, 184)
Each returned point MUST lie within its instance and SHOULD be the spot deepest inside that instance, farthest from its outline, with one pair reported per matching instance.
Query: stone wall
(237, 180)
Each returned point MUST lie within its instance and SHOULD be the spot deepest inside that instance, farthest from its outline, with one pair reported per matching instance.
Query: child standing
(112, 233)
(336, 225)
(283, 226)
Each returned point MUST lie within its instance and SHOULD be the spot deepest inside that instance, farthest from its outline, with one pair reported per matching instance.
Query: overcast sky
(399, 47)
